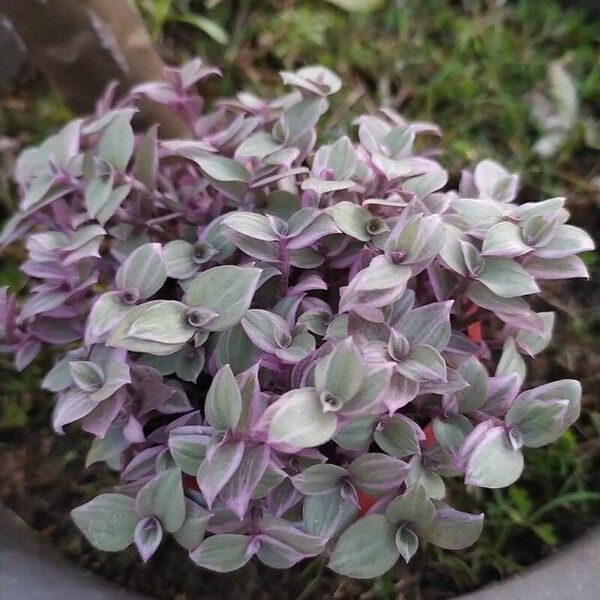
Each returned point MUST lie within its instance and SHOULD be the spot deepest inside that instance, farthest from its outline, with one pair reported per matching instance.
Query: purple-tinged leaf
(225, 552)
(378, 285)
(162, 497)
(453, 529)
(366, 549)
(216, 470)
(398, 436)
(239, 489)
(377, 473)
(226, 290)
(143, 271)
(194, 526)
(148, 536)
(413, 506)
(107, 521)
(407, 542)
(493, 463)
(223, 405)
(299, 421)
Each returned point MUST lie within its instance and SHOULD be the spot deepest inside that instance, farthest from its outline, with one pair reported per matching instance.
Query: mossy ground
(469, 66)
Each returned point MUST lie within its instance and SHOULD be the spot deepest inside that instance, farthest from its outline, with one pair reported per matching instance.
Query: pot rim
(30, 569)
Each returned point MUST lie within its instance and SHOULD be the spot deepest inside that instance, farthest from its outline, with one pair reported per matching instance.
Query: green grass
(466, 65)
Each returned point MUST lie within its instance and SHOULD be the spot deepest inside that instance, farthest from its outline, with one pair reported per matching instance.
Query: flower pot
(29, 569)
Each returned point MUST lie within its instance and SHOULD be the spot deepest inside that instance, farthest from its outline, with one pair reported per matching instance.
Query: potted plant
(284, 347)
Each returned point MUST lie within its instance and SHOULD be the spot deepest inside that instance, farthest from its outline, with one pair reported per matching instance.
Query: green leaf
(188, 449)
(538, 422)
(493, 463)
(299, 119)
(86, 375)
(325, 515)
(299, 421)
(319, 479)
(227, 290)
(115, 199)
(423, 363)
(450, 433)
(357, 433)
(352, 219)
(452, 529)
(366, 549)
(223, 405)
(534, 343)
(504, 239)
(342, 158)
(321, 186)
(217, 469)
(482, 296)
(162, 497)
(117, 142)
(108, 521)
(397, 437)
(407, 542)
(494, 182)
(426, 184)
(267, 330)
(144, 271)
(189, 364)
(432, 482)
(302, 345)
(377, 473)
(234, 348)
(97, 193)
(258, 145)
(414, 506)
(507, 279)
(511, 361)
(192, 531)
(314, 78)
(148, 536)
(146, 158)
(209, 26)
(378, 285)
(357, 5)
(223, 553)
(220, 167)
(566, 500)
(472, 397)
(178, 257)
(341, 374)
(565, 389)
(106, 312)
(158, 327)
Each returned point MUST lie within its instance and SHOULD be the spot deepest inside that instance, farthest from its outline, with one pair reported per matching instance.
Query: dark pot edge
(29, 569)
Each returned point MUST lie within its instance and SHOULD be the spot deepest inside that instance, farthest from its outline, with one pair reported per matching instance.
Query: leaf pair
(214, 301)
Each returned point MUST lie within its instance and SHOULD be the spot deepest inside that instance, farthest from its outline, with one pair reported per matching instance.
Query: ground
(470, 66)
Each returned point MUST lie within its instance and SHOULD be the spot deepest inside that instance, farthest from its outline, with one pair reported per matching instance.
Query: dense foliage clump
(284, 349)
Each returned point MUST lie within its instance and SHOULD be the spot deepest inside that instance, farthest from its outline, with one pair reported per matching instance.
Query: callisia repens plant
(284, 349)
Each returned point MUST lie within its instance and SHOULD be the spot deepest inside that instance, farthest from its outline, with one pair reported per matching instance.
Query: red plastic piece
(429, 440)
(365, 502)
(474, 332)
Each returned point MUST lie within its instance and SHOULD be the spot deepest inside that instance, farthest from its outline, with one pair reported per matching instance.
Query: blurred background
(517, 81)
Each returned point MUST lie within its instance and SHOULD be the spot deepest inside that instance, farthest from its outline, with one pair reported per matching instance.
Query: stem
(284, 266)
(163, 219)
(314, 583)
